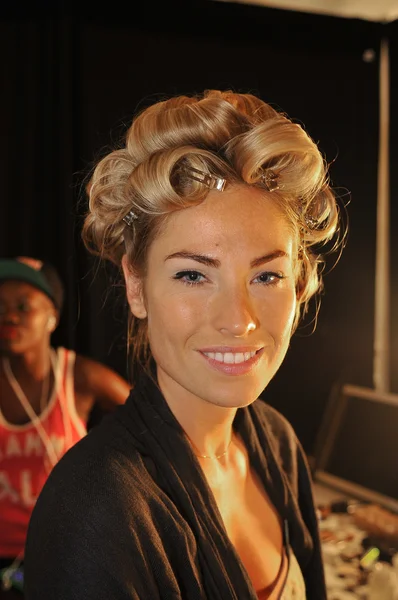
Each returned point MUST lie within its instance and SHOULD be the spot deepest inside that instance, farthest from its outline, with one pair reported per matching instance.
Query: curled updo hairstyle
(234, 136)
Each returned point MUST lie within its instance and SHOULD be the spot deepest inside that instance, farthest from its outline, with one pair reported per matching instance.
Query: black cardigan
(127, 513)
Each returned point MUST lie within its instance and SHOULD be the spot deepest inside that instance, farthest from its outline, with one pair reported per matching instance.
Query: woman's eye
(269, 278)
(23, 307)
(190, 277)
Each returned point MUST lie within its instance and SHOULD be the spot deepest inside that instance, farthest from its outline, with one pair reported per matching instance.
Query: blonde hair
(234, 136)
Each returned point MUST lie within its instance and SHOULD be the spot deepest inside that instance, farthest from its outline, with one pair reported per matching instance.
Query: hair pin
(270, 180)
(130, 218)
(311, 222)
(211, 181)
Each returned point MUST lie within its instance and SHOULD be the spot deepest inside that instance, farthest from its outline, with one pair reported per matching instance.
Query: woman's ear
(134, 289)
(52, 323)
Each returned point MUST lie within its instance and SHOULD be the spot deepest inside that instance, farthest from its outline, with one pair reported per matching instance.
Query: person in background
(195, 489)
(46, 397)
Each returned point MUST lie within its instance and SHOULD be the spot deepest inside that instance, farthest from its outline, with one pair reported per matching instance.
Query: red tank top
(24, 460)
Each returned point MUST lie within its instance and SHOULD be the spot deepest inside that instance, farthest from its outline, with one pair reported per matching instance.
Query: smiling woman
(221, 289)
(195, 489)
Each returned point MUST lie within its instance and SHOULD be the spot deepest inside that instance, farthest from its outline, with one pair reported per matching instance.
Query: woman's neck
(208, 427)
(34, 363)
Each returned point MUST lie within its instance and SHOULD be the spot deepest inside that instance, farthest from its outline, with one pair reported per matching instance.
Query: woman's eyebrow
(256, 262)
(201, 258)
(214, 262)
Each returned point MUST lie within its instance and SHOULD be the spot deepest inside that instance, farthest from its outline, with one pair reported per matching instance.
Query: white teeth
(239, 357)
(230, 357)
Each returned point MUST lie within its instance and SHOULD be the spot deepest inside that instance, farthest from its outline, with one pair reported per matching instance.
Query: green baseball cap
(41, 275)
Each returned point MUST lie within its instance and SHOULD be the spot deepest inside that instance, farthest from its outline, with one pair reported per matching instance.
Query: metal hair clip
(212, 182)
(311, 222)
(130, 218)
(270, 180)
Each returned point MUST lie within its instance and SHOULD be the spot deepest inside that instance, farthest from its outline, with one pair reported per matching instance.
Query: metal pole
(381, 354)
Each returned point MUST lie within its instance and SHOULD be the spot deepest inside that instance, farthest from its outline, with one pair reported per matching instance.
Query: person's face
(219, 297)
(27, 317)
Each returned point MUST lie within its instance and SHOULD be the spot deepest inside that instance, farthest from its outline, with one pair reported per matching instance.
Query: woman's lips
(237, 361)
(8, 332)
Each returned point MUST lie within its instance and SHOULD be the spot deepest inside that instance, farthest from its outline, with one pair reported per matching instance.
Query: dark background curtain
(74, 77)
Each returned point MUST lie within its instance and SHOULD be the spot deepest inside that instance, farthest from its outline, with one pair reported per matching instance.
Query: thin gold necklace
(215, 457)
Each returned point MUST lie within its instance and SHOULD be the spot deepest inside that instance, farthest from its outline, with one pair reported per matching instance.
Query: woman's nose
(8, 315)
(235, 314)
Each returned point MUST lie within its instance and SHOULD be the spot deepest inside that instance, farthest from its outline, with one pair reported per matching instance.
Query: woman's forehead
(19, 290)
(242, 215)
